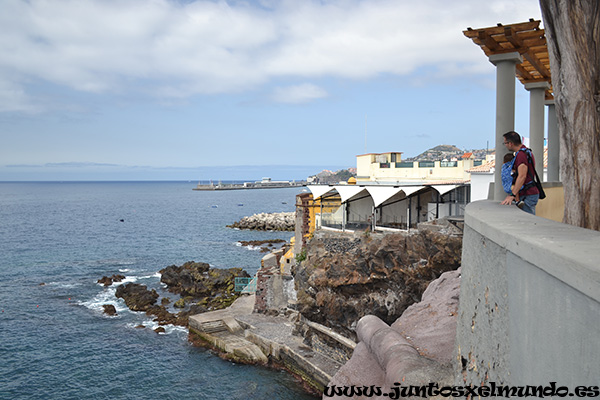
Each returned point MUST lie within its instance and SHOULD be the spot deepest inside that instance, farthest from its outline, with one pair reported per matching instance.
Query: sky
(200, 90)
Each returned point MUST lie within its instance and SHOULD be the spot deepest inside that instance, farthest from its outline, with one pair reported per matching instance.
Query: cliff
(344, 278)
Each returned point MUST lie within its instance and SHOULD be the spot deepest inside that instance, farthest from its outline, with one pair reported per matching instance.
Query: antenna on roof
(365, 133)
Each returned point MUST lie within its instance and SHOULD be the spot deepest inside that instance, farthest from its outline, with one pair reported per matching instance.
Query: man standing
(525, 169)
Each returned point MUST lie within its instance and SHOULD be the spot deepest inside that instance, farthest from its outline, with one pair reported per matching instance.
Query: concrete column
(505, 109)
(553, 144)
(537, 91)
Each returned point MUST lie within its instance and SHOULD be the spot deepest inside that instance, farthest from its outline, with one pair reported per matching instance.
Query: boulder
(109, 309)
(109, 280)
(137, 296)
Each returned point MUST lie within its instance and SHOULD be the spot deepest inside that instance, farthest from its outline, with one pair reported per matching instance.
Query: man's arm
(521, 176)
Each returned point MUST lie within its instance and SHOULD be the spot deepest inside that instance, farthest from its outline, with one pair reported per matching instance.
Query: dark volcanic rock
(109, 309)
(109, 280)
(343, 279)
(201, 288)
(195, 281)
(257, 243)
(136, 296)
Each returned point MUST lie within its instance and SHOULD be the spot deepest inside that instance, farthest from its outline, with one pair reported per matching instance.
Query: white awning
(319, 190)
(381, 194)
(443, 189)
(348, 191)
(408, 190)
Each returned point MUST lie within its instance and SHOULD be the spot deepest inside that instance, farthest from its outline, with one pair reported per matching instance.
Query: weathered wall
(530, 300)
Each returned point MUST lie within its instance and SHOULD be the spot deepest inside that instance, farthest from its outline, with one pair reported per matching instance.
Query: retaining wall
(529, 309)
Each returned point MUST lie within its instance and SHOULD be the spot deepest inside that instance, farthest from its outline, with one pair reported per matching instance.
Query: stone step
(213, 326)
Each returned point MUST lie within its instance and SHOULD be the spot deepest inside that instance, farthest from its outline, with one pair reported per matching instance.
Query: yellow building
(389, 168)
(308, 211)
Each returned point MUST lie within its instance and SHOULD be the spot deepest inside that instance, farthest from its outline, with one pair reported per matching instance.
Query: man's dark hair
(512, 137)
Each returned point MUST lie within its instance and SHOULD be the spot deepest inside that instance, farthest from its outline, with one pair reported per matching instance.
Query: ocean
(56, 241)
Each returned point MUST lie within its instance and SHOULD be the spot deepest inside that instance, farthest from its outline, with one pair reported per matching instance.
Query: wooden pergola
(527, 39)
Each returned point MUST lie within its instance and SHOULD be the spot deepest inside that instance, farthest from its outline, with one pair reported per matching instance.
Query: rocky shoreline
(200, 289)
(284, 221)
(347, 288)
(265, 245)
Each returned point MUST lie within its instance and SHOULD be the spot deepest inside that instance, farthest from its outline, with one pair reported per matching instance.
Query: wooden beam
(512, 38)
(541, 68)
(522, 72)
(498, 30)
(488, 41)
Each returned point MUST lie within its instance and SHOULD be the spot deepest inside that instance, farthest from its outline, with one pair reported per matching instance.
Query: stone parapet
(529, 300)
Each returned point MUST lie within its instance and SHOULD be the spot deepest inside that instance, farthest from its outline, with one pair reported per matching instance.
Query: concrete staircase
(221, 330)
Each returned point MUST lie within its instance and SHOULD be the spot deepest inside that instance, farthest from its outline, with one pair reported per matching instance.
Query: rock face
(284, 221)
(415, 350)
(345, 278)
(136, 296)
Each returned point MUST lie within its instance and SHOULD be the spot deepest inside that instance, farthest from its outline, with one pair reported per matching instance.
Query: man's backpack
(536, 179)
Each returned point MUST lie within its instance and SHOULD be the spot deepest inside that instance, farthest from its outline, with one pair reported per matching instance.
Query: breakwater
(284, 221)
(251, 185)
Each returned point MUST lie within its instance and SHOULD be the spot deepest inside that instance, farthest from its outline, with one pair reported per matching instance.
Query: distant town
(443, 152)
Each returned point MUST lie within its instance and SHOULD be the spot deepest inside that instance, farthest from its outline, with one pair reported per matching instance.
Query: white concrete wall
(480, 185)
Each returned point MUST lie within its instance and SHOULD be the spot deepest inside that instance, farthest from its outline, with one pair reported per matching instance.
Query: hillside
(327, 177)
(446, 151)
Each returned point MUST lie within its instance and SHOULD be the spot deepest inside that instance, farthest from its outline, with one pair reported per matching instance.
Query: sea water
(58, 239)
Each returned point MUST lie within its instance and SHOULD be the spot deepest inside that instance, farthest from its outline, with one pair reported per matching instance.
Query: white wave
(67, 285)
(155, 275)
(107, 296)
(152, 325)
(253, 248)
(238, 244)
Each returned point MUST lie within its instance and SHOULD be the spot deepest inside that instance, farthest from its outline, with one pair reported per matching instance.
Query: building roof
(467, 155)
(527, 39)
(485, 167)
(448, 182)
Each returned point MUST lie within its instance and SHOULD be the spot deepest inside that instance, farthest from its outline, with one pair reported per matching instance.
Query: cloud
(174, 49)
(298, 94)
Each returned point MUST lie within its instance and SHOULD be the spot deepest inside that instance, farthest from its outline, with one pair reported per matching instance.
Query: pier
(265, 183)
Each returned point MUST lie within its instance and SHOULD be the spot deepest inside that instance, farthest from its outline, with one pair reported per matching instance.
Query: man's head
(512, 140)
